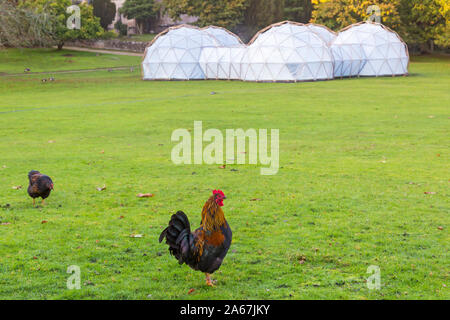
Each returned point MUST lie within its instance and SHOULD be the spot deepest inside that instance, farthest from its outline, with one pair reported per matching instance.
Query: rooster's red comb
(218, 192)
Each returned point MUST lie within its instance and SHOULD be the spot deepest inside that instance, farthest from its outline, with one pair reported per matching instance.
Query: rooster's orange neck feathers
(212, 215)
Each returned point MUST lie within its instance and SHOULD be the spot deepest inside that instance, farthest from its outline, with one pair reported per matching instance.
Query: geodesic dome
(175, 53)
(287, 51)
(224, 37)
(349, 59)
(325, 33)
(385, 52)
(222, 62)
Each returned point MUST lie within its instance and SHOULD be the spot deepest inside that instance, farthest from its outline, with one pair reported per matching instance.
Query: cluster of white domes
(286, 51)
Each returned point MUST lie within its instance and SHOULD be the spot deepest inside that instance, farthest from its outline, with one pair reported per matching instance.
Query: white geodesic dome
(325, 33)
(349, 59)
(222, 62)
(385, 52)
(224, 37)
(175, 53)
(287, 51)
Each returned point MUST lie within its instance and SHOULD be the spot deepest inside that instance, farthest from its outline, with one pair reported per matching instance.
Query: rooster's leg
(34, 202)
(209, 282)
(43, 202)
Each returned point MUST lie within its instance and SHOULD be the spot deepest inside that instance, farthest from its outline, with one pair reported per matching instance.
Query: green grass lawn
(139, 37)
(43, 60)
(357, 158)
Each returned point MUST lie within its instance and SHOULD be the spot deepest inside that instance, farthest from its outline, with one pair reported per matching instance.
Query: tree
(143, 11)
(298, 10)
(90, 25)
(105, 10)
(23, 27)
(222, 13)
(261, 13)
(443, 39)
(425, 23)
(338, 14)
(419, 22)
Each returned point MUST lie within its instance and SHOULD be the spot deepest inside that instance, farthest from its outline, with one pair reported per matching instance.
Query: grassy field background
(47, 60)
(363, 181)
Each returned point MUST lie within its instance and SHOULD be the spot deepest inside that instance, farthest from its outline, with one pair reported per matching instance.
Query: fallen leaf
(223, 167)
(102, 188)
(17, 187)
(191, 291)
(121, 217)
(103, 151)
(44, 221)
(256, 199)
(51, 141)
(136, 236)
(145, 195)
(441, 228)
(5, 223)
(430, 192)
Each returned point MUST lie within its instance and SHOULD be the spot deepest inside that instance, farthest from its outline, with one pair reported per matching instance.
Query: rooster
(204, 249)
(40, 186)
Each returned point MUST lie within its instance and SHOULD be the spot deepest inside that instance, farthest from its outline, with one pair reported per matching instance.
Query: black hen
(40, 186)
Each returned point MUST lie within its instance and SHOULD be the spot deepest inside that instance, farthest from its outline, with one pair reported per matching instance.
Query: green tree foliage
(23, 27)
(145, 12)
(90, 25)
(425, 22)
(443, 39)
(261, 13)
(121, 27)
(222, 13)
(105, 10)
(298, 10)
(419, 22)
(338, 14)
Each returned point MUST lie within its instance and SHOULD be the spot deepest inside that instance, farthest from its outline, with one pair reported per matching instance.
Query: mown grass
(357, 157)
(140, 37)
(43, 60)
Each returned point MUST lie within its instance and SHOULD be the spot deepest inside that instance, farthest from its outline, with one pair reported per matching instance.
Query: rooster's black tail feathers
(179, 237)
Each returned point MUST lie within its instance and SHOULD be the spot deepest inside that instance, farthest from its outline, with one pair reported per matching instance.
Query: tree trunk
(60, 45)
